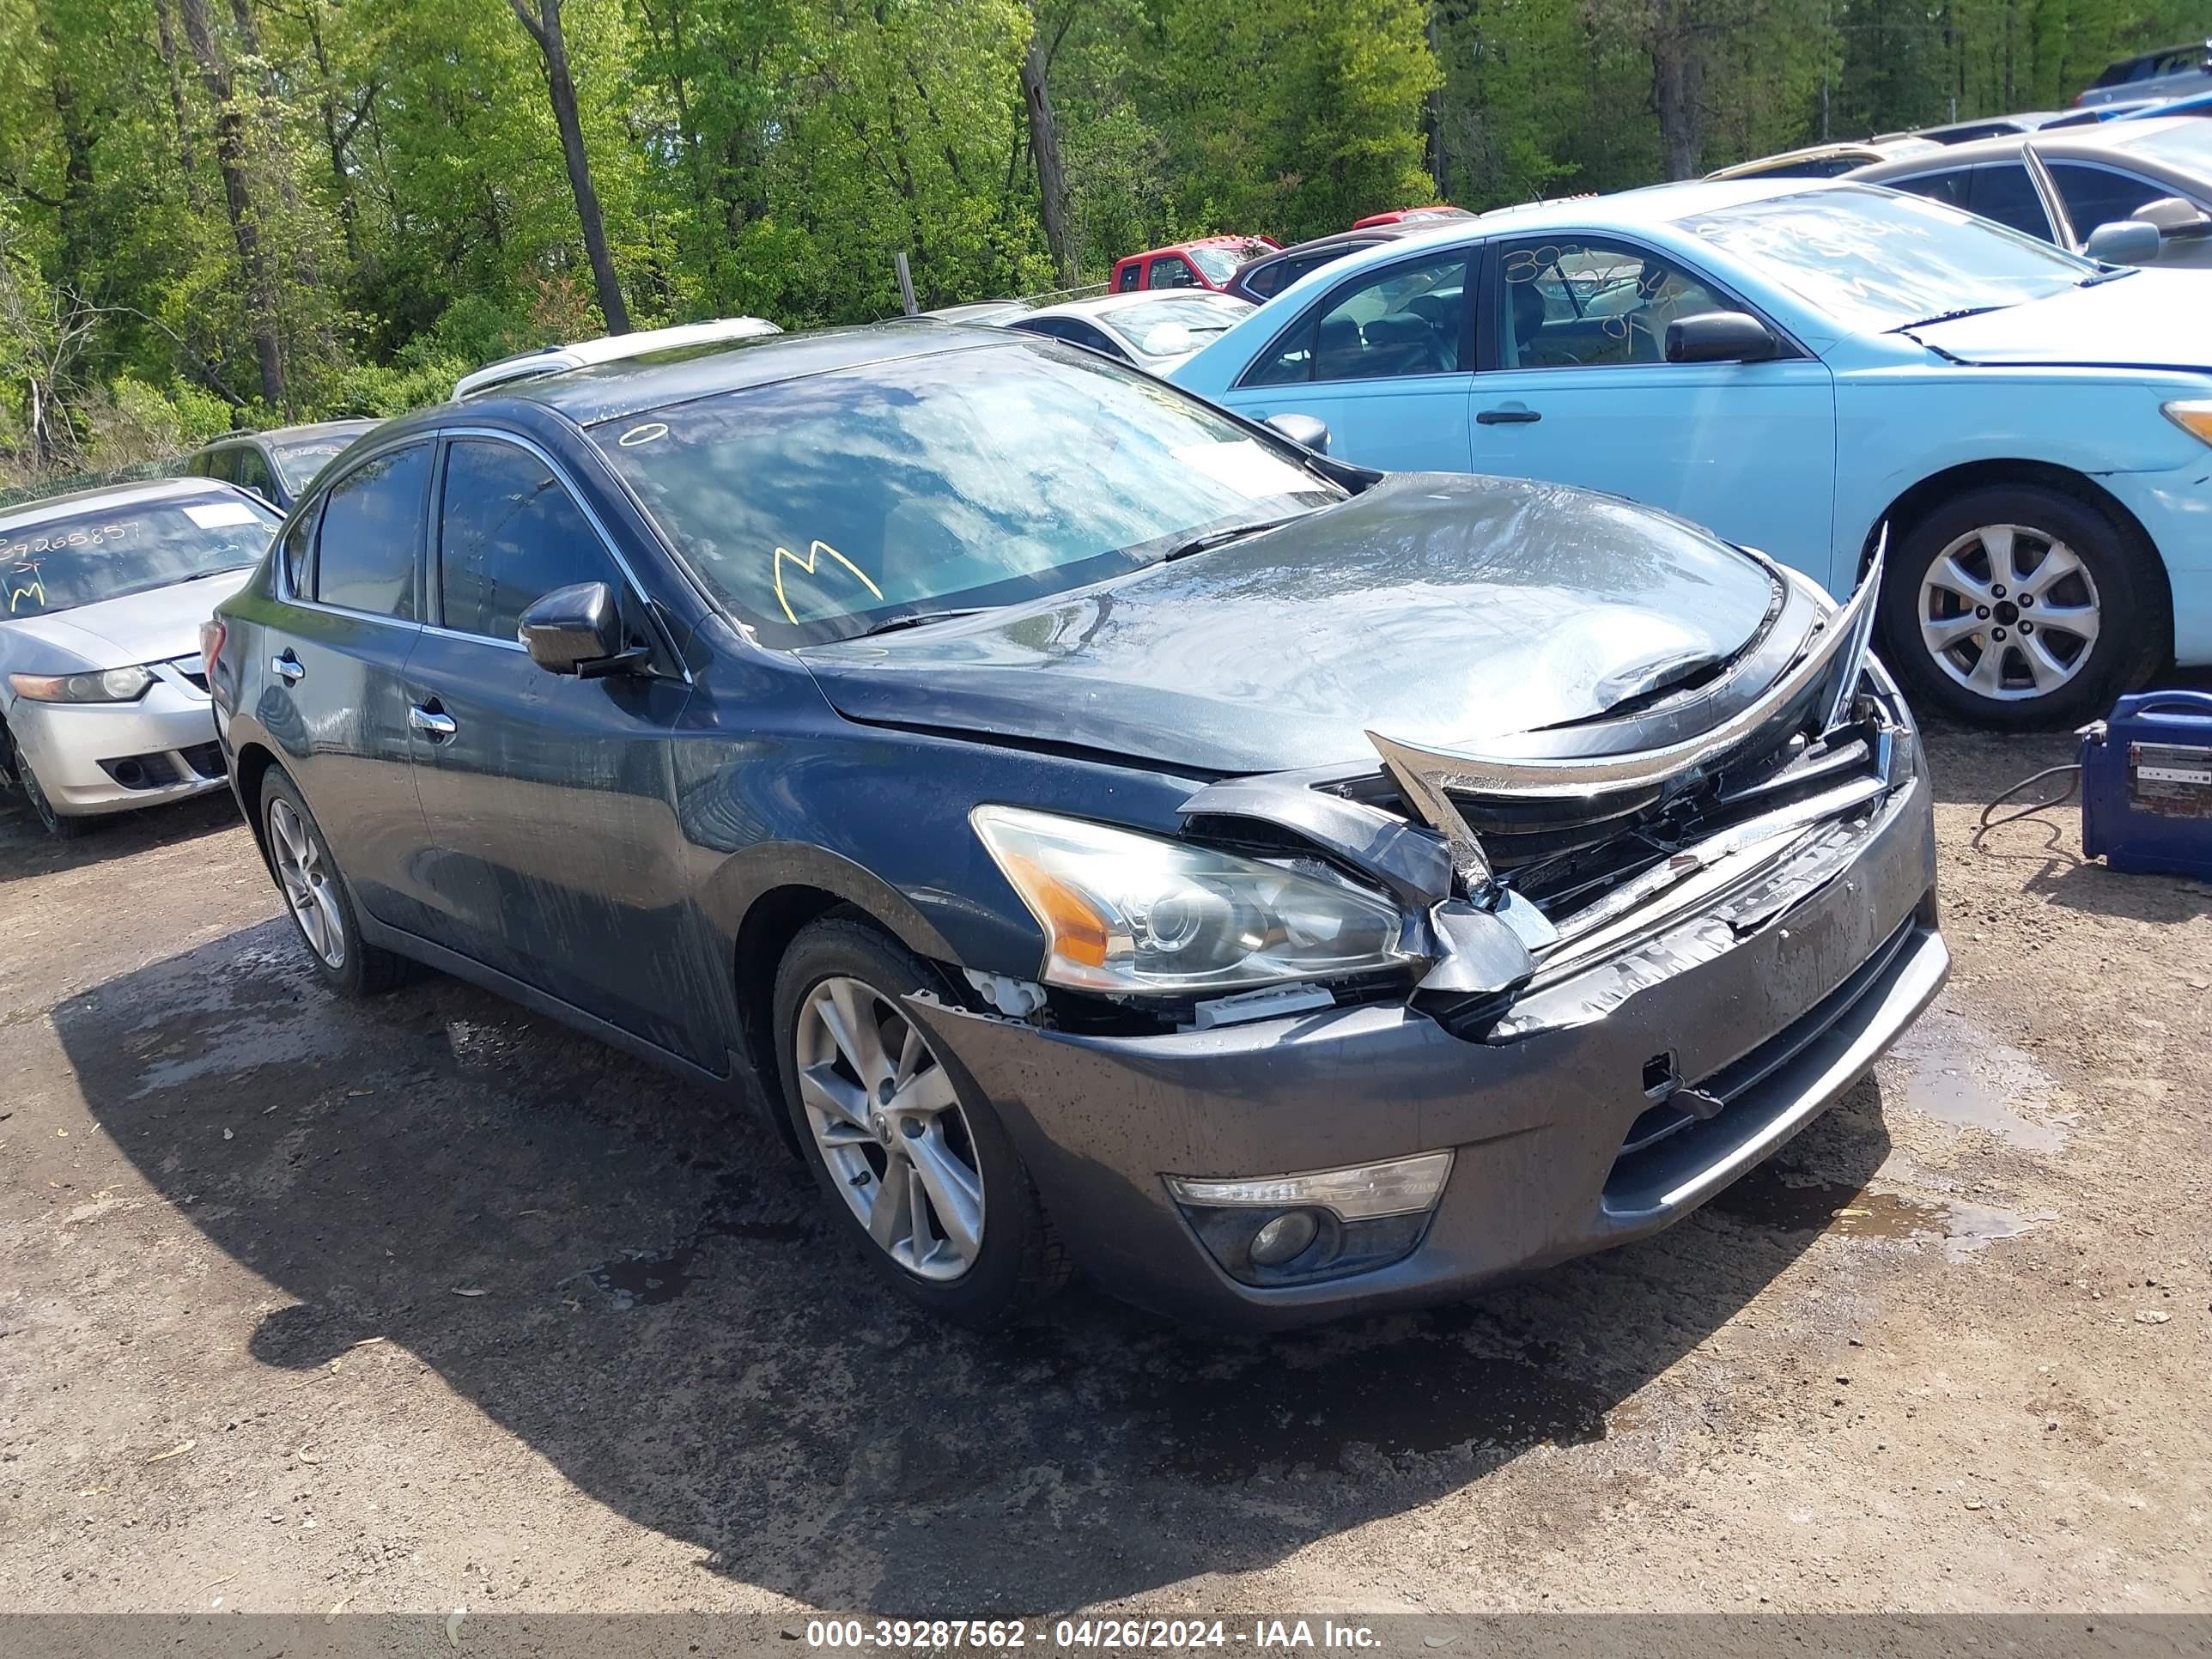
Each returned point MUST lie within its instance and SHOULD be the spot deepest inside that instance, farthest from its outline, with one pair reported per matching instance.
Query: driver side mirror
(1308, 430)
(578, 630)
(2124, 242)
(1719, 337)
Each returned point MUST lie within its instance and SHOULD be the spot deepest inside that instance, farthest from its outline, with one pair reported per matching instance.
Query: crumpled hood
(2152, 319)
(154, 626)
(1434, 608)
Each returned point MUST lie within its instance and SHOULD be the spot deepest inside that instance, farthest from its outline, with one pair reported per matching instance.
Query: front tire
(315, 894)
(913, 1158)
(56, 824)
(2017, 606)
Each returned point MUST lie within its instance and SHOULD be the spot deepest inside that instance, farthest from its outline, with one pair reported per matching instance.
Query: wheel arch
(764, 903)
(1921, 498)
(249, 769)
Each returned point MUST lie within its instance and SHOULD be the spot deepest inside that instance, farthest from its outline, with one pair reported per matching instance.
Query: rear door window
(1171, 271)
(372, 520)
(1130, 276)
(1953, 186)
(509, 534)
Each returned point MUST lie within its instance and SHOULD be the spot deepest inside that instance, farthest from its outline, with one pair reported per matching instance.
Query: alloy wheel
(890, 1128)
(2008, 611)
(305, 876)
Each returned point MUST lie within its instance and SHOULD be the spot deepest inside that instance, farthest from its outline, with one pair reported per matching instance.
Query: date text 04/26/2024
(1007, 1635)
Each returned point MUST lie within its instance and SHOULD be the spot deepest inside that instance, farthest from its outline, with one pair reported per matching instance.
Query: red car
(1409, 216)
(1209, 262)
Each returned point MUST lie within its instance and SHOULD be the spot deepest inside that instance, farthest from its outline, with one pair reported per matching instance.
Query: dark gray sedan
(1093, 830)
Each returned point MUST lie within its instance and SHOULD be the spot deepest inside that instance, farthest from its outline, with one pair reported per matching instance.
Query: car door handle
(432, 722)
(1508, 415)
(287, 668)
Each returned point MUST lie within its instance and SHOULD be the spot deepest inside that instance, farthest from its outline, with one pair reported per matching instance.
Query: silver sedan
(103, 697)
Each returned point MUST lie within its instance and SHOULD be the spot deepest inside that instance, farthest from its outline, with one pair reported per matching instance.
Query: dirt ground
(402, 1304)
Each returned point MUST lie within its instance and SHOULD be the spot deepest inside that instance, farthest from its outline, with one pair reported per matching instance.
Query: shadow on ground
(665, 1316)
(27, 850)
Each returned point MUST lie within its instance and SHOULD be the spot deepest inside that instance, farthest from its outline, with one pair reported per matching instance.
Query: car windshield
(1162, 328)
(298, 463)
(820, 507)
(1879, 261)
(130, 547)
(1218, 265)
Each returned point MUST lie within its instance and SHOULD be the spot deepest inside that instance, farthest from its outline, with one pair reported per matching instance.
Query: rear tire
(317, 897)
(2018, 606)
(925, 1179)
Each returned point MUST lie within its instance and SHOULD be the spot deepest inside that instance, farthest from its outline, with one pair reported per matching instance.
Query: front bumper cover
(166, 731)
(1782, 1000)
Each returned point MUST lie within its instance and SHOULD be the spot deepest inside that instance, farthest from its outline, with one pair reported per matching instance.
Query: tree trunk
(1678, 84)
(544, 27)
(1432, 113)
(165, 33)
(245, 225)
(1044, 145)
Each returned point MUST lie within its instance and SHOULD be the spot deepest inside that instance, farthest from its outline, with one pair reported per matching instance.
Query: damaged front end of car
(1537, 998)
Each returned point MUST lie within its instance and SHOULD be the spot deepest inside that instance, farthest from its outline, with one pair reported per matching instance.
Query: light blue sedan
(1798, 364)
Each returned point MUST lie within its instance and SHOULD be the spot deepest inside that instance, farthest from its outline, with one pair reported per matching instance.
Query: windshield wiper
(1946, 317)
(1235, 533)
(915, 619)
(2111, 275)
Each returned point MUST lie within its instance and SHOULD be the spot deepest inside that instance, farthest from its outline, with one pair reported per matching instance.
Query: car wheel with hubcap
(53, 823)
(902, 1140)
(2019, 606)
(315, 894)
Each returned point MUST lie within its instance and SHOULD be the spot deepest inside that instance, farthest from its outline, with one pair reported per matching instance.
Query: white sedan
(103, 700)
(1153, 331)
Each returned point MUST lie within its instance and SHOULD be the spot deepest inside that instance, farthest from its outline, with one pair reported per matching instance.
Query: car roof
(974, 309)
(2106, 138)
(123, 495)
(291, 435)
(610, 348)
(604, 391)
(1103, 305)
(1884, 149)
(1227, 239)
(1366, 238)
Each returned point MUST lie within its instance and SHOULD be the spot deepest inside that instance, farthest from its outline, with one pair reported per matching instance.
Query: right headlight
(1133, 914)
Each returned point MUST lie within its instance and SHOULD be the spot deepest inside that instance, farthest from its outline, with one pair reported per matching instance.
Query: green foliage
(322, 207)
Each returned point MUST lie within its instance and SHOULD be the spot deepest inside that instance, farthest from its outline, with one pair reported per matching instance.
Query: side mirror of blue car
(1310, 430)
(1719, 337)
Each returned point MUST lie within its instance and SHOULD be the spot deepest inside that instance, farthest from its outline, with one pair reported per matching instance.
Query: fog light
(1283, 1239)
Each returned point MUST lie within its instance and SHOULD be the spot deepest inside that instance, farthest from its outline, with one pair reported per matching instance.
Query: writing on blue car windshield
(823, 508)
(1879, 260)
(131, 547)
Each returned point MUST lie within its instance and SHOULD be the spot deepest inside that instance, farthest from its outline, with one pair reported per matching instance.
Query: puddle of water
(1948, 1068)
(1771, 1198)
(1424, 1394)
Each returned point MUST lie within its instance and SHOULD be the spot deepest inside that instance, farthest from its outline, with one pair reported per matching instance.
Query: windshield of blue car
(130, 547)
(1878, 259)
(820, 507)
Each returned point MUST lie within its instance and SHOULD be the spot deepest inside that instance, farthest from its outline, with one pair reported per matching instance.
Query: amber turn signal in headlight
(2193, 417)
